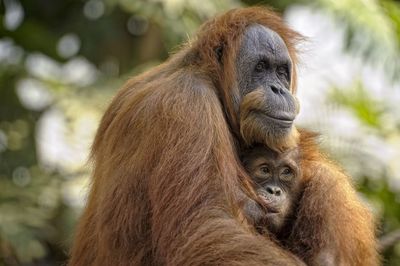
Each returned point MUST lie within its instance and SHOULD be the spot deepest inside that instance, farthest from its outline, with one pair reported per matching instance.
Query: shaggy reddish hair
(167, 181)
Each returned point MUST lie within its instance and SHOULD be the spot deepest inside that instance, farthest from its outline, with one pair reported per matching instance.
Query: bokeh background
(62, 61)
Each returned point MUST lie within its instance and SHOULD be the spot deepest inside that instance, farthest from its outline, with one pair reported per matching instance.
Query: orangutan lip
(272, 210)
(280, 120)
(268, 205)
(284, 118)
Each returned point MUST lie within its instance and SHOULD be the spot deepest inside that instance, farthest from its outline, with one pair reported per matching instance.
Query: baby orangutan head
(276, 176)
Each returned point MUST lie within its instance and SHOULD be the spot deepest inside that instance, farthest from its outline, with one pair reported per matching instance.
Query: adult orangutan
(168, 181)
(298, 217)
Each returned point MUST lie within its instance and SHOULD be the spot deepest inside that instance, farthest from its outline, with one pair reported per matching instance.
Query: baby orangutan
(279, 185)
(277, 179)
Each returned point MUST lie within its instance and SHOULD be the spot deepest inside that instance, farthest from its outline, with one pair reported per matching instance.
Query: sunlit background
(62, 61)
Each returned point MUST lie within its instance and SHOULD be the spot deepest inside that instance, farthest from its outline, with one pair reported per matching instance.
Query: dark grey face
(264, 65)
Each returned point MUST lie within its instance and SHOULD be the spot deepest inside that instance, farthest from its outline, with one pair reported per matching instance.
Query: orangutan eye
(287, 174)
(261, 66)
(265, 170)
(287, 171)
(282, 71)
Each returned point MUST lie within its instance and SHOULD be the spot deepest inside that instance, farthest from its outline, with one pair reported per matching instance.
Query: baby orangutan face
(277, 180)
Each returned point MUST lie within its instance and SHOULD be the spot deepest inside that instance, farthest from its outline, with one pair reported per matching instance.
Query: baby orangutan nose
(274, 190)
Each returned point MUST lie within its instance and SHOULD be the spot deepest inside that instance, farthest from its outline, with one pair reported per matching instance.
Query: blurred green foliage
(356, 99)
(64, 60)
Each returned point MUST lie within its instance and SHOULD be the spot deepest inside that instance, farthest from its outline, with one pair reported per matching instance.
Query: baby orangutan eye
(264, 170)
(287, 174)
(287, 171)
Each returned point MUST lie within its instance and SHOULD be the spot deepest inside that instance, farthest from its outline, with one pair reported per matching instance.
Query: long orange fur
(167, 181)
